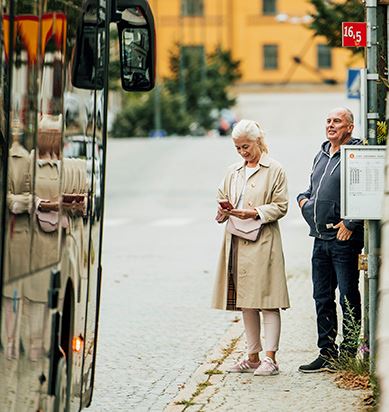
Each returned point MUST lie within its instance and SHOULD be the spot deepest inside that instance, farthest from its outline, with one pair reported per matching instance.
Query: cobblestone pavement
(290, 391)
(161, 247)
(160, 252)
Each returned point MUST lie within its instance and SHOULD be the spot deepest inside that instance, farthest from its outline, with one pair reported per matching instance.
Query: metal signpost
(364, 34)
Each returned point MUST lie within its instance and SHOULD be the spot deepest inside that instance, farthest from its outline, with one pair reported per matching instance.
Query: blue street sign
(353, 84)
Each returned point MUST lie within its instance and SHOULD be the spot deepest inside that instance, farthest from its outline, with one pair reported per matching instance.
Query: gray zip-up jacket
(322, 211)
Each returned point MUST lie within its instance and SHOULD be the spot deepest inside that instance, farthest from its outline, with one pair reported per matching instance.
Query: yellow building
(269, 37)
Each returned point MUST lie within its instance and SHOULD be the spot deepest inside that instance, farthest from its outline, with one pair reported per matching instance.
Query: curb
(199, 377)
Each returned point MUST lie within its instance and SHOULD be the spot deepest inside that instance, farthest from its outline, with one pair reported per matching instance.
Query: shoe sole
(317, 370)
(242, 371)
(267, 374)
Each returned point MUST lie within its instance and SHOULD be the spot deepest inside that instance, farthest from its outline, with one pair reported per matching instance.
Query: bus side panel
(48, 206)
(25, 314)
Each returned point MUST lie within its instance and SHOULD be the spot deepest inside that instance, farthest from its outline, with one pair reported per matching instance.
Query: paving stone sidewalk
(289, 391)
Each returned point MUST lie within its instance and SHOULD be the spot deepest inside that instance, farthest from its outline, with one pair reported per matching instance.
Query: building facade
(269, 37)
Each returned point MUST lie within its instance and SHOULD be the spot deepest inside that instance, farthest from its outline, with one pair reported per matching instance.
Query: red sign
(354, 34)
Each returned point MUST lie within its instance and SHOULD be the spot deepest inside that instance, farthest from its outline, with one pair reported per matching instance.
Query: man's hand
(343, 232)
(243, 213)
(302, 202)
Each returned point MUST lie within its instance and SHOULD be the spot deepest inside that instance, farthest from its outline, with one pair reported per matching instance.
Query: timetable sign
(362, 181)
(354, 34)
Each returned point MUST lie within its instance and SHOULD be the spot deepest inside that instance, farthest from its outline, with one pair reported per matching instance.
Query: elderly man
(336, 246)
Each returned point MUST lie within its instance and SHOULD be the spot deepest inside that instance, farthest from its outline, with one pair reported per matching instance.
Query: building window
(192, 7)
(269, 7)
(324, 58)
(270, 56)
(192, 58)
(193, 55)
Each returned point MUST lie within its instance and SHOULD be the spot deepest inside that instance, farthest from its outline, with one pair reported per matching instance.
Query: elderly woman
(251, 272)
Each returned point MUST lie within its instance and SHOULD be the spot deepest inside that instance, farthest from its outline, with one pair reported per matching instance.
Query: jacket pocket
(326, 214)
(307, 212)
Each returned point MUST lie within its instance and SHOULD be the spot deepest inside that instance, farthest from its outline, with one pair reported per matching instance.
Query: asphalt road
(161, 245)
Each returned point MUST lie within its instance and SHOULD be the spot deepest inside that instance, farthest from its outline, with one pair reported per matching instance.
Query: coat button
(252, 184)
(246, 242)
(250, 203)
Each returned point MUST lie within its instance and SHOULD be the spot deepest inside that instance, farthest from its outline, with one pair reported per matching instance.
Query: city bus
(54, 59)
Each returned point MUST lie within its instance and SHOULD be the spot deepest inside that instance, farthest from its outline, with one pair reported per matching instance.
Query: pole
(372, 117)
(157, 90)
(181, 68)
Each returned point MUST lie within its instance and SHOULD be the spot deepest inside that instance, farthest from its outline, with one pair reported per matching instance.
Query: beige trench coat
(261, 279)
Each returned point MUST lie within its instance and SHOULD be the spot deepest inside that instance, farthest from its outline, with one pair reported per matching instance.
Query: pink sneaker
(244, 366)
(267, 367)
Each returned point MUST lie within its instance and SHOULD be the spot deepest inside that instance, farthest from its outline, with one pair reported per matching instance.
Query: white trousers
(271, 325)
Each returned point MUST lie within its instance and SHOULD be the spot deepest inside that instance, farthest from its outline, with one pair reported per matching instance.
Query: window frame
(192, 8)
(324, 56)
(265, 58)
(269, 11)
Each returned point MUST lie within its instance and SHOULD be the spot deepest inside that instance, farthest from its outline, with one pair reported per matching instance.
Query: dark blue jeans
(335, 264)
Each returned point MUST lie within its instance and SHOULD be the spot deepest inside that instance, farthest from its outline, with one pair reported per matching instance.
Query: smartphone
(225, 204)
(69, 197)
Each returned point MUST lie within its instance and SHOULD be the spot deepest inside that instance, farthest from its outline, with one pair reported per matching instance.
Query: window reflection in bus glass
(135, 49)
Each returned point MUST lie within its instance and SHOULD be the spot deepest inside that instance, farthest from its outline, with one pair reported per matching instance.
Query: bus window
(47, 157)
(88, 67)
(53, 138)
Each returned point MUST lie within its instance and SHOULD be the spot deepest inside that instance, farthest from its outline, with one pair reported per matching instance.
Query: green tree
(329, 15)
(203, 81)
(197, 88)
(136, 119)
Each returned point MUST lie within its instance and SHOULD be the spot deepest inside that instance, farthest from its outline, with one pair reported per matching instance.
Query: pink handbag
(248, 229)
(48, 221)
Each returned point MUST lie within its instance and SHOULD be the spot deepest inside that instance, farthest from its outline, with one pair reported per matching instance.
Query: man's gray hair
(349, 115)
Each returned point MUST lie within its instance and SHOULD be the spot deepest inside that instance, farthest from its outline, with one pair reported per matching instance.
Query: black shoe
(320, 364)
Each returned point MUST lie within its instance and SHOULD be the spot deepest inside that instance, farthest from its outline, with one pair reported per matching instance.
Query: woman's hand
(221, 215)
(243, 213)
(48, 206)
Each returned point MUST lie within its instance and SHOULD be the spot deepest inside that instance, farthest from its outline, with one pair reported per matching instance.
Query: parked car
(226, 121)
(81, 147)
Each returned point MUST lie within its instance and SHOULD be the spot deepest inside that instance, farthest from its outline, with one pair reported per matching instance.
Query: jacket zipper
(332, 171)
(317, 195)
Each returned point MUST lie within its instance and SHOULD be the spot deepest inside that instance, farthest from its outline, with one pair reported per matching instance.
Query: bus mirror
(137, 46)
(88, 55)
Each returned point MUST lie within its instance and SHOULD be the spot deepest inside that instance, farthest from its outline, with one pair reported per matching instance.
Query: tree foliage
(197, 88)
(329, 15)
(136, 119)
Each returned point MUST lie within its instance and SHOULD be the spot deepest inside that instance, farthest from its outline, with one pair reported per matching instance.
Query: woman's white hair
(252, 130)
